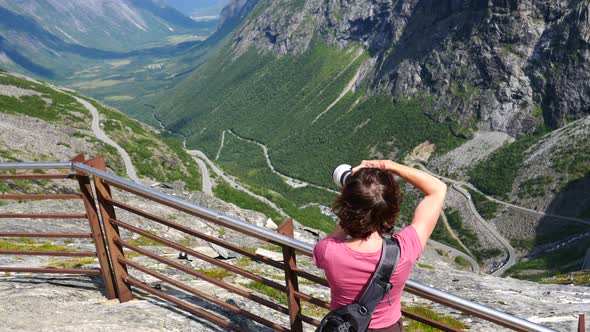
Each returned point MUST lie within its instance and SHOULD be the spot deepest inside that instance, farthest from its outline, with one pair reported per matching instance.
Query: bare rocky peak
(236, 10)
(81, 13)
(492, 63)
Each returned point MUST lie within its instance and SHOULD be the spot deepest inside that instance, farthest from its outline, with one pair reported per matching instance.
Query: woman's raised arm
(428, 210)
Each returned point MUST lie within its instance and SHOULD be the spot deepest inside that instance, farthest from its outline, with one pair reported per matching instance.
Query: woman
(368, 206)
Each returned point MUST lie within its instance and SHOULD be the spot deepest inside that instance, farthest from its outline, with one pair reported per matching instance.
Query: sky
(199, 8)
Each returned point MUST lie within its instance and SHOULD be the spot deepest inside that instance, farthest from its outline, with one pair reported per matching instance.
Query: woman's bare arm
(338, 233)
(428, 210)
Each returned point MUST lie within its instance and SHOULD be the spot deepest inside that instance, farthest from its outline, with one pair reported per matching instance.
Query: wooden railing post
(107, 212)
(581, 323)
(292, 284)
(96, 231)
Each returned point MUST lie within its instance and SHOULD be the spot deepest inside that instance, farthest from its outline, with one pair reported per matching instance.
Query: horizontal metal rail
(226, 266)
(183, 304)
(217, 282)
(48, 253)
(202, 295)
(94, 272)
(84, 195)
(40, 196)
(37, 176)
(47, 235)
(43, 216)
(190, 231)
(413, 287)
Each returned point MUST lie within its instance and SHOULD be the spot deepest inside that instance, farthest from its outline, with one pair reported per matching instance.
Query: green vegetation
(495, 175)
(70, 263)
(425, 266)
(522, 244)
(576, 278)
(246, 161)
(273, 293)
(468, 237)
(296, 105)
(49, 105)
(271, 247)
(441, 234)
(299, 116)
(462, 261)
(225, 192)
(573, 162)
(142, 241)
(534, 187)
(217, 273)
(162, 159)
(486, 208)
(427, 312)
(550, 266)
(31, 245)
(243, 262)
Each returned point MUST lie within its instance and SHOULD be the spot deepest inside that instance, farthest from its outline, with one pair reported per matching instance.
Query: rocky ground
(77, 303)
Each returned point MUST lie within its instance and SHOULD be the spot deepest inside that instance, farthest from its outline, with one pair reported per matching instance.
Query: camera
(341, 174)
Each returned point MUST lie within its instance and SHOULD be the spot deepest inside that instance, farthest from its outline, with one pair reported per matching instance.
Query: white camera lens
(341, 174)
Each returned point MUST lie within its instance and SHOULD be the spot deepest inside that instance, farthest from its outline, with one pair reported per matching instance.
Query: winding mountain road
(455, 252)
(291, 181)
(100, 134)
(456, 185)
(541, 213)
(206, 178)
(200, 155)
(511, 259)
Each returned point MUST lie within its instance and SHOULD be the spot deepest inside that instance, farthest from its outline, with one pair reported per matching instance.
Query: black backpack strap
(379, 285)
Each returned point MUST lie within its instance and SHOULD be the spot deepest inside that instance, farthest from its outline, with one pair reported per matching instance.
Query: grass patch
(574, 278)
(271, 247)
(425, 266)
(70, 263)
(217, 273)
(468, 237)
(429, 313)
(143, 241)
(243, 262)
(462, 261)
(34, 246)
(268, 291)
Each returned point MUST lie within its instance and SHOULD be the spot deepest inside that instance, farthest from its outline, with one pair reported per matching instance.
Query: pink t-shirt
(347, 272)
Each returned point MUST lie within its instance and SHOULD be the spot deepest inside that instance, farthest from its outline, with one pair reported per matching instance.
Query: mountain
(99, 24)
(42, 122)
(118, 51)
(481, 91)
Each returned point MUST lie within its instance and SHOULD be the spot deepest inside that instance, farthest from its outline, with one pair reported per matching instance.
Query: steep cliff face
(488, 64)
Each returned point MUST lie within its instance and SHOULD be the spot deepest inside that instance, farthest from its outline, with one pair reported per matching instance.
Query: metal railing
(95, 231)
(123, 279)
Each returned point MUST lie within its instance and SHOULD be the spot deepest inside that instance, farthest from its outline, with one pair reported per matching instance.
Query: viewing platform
(147, 253)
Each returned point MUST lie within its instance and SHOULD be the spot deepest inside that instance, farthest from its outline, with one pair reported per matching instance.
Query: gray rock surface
(491, 65)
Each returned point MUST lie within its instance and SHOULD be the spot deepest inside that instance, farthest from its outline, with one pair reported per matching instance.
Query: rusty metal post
(292, 284)
(96, 231)
(107, 211)
(581, 323)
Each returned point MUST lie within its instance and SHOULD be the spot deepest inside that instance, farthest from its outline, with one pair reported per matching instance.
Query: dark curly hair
(370, 201)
